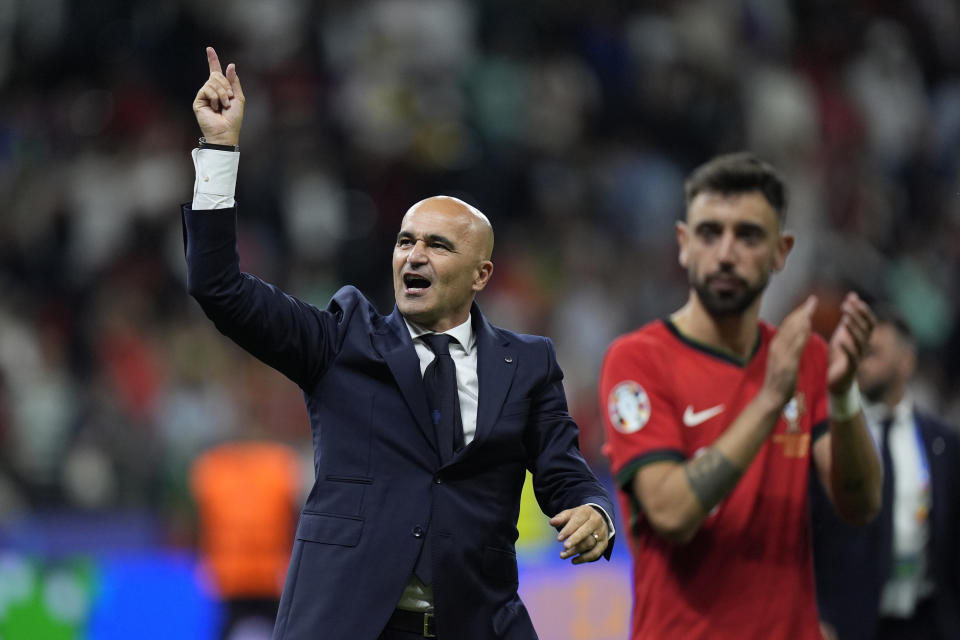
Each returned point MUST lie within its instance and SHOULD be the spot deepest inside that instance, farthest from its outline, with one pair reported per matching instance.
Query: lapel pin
(508, 359)
(938, 446)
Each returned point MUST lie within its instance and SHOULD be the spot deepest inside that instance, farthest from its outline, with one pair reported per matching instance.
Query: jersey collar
(722, 354)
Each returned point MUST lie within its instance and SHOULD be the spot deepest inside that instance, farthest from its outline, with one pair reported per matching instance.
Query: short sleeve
(639, 413)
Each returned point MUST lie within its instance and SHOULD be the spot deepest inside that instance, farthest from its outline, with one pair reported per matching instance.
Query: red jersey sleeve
(639, 413)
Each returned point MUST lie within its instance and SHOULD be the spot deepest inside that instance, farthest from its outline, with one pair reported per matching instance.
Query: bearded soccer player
(714, 418)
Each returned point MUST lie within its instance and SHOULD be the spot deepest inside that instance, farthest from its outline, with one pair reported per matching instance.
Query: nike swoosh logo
(692, 418)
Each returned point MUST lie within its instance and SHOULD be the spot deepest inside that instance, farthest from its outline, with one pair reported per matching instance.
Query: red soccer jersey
(748, 571)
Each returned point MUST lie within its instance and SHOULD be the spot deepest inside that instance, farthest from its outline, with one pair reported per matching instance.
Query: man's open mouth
(414, 283)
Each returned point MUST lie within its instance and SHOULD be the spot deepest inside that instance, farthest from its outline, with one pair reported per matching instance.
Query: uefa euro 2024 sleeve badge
(628, 407)
(796, 443)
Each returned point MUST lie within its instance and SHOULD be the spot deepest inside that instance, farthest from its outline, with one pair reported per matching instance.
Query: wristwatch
(203, 144)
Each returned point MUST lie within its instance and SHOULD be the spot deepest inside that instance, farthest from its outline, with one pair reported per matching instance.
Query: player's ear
(784, 245)
(682, 239)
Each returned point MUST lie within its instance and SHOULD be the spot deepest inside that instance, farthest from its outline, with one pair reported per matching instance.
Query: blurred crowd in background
(570, 124)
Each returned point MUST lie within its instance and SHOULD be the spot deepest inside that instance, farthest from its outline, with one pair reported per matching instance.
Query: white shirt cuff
(216, 178)
(606, 516)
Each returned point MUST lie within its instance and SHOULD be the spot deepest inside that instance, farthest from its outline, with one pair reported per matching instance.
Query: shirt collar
(463, 333)
(878, 412)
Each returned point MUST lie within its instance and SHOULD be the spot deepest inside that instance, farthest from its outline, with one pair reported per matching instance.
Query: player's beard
(726, 304)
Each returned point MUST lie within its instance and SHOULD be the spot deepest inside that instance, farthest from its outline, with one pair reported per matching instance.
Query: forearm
(676, 498)
(856, 472)
(283, 332)
(210, 245)
(562, 479)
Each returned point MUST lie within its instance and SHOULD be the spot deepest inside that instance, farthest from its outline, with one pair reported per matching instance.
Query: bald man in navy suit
(410, 527)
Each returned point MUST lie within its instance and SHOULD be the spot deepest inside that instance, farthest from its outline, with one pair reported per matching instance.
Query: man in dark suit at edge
(899, 577)
(410, 527)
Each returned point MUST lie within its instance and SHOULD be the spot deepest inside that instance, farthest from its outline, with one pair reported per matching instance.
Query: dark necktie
(887, 459)
(440, 382)
(885, 441)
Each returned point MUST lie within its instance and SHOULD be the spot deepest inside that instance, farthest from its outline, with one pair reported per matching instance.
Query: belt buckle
(427, 624)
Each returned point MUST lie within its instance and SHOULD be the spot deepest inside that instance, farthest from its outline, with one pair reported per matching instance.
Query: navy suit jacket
(852, 564)
(381, 489)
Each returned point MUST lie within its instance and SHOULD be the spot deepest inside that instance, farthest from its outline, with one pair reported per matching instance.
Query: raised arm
(293, 337)
(677, 497)
(846, 458)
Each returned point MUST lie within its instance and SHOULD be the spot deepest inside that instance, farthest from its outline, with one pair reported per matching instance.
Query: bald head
(441, 261)
(475, 223)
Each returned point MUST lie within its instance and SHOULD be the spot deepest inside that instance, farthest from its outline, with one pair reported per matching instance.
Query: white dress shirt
(912, 494)
(463, 351)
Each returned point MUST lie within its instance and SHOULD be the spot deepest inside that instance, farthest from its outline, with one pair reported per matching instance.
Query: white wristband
(844, 406)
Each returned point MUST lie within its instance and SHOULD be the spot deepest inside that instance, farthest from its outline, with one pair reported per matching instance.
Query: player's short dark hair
(735, 173)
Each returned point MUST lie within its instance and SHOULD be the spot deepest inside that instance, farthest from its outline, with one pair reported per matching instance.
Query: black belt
(413, 622)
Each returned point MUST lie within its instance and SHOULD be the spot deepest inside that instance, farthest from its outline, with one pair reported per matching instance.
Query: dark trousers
(241, 614)
(922, 626)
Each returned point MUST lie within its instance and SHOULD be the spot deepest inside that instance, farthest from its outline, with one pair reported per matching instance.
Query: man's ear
(682, 239)
(484, 271)
(784, 245)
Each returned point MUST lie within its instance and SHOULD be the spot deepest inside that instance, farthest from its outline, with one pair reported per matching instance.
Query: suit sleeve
(562, 479)
(296, 338)
(639, 413)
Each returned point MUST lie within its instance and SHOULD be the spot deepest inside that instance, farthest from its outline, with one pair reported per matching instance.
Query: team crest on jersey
(795, 443)
(794, 411)
(628, 406)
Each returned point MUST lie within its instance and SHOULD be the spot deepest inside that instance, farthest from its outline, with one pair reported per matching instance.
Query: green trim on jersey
(726, 356)
(625, 478)
(626, 473)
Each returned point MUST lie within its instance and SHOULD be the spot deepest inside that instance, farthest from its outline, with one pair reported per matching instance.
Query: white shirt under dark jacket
(909, 580)
(214, 188)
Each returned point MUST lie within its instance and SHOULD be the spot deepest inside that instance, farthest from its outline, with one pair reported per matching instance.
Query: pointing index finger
(213, 61)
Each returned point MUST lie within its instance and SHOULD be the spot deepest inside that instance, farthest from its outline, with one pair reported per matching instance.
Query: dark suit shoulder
(524, 338)
(506, 335)
(531, 343)
(354, 313)
(348, 299)
(934, 426)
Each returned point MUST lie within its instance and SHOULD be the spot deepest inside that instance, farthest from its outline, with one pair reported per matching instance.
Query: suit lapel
(496, 365)
(392, 341)
(935, 460)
